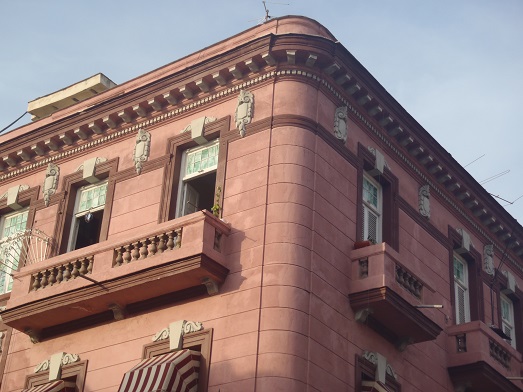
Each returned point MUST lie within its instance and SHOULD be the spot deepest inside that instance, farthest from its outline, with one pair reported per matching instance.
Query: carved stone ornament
(196, 128)
(175, 332)
(12, 196)
(55, 363)
(2, 336)
(340, 123)
(488, 259)
(379, 360)
(424, 201)
(142, 149)
(381, 163)
(244, 111)
(51, 182)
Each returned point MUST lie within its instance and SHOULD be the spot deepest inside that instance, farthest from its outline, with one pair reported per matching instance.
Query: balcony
(112, 279)
(384, 295)
(480, 360)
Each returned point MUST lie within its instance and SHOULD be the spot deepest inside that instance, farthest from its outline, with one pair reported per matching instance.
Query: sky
(455, 66)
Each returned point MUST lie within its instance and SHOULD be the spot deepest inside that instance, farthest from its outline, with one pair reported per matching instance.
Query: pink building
(258, 216)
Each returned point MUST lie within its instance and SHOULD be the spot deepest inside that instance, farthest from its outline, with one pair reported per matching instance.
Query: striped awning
(172, 372)
(374, 386)
(53, 386)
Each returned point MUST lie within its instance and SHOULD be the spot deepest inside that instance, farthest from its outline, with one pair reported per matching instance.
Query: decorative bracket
(142, 149)
(340, 123)
(12, 196)
(34, 335)
(88, 168)
(424, 201)
(466, 243)
(175, 332)
(211, 285)
(51, 182)
(244, 111)
(380, 163)
(55, 363)
(196, 129)
(118, 310)
(488, 259)
(382, 367)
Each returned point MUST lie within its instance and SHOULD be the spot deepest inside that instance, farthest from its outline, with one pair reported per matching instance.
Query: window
(372, 205)
(88, 215)
(507, 319)
(461, 290)
(72, 374)
(10, 225)
(197, 179)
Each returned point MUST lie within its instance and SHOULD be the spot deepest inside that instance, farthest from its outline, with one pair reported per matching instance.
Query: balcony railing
(385, 294)
(25, 247)
(182, 257)
(481, 360)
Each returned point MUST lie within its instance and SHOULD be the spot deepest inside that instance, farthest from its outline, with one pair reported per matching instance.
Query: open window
(197, 179)
(461, 290)
(10, 247)
(507, 318)
(372, 209)
(88, 215)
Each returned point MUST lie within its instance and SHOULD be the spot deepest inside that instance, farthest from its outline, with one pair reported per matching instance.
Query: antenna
(267, 16)
(477, 159)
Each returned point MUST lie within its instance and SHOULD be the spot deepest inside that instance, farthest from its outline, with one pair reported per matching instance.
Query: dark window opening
(88, 229)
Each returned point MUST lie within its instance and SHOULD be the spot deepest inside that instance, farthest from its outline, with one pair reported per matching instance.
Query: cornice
(312, 59)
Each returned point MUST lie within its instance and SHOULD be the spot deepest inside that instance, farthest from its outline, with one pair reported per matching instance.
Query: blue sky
(455, 66)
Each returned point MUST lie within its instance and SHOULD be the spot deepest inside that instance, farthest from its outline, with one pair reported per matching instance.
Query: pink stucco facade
(294, 310)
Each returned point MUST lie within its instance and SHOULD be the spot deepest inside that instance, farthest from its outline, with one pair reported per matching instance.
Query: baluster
(118, 260)
(152, 246)
(43, 281)
(52, 276)
(170, 241)
(136, 251)
(67, 272)
(161, 243)
(83, 266)
(90, 259)
(143, 249)
(60, 274)
(36, 281)
(127, 254)
(178, 238)
(74, 272)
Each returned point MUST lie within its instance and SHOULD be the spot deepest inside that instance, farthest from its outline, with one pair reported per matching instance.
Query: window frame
(184, 182)
(366, 369)
(104, 171)
(473, 260)
(389, 184)
(510, 323)
(464, 284)
(12, 269)
(202, 338)
(176, 145)
(76, 369)
(73, 233)
(376, 210)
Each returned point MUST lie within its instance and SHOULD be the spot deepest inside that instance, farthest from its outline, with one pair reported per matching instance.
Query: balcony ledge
(480, 359)
(382, 299)
(111, 289)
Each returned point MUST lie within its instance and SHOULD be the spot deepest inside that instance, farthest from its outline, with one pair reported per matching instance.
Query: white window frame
(73, 234)
(368, 208)
(461, 284)
(13, 266)
(507, 323)
(185, 190)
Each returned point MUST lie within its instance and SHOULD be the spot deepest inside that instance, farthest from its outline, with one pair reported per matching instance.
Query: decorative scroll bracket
(466, 243)
(12, 196)
(424, 201)
(340, 123)
(175, 332)
(244, 111)
(488, 259)
(88, 168)
(196, 129)
(51, 182)
(142, 149)
(55, 363)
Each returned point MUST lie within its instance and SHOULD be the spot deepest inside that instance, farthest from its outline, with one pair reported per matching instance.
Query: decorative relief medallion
(488, 259)
(142, 149)
(51, 182)
(244, 111)
(340, 123)
(70, 358)
(424, 201)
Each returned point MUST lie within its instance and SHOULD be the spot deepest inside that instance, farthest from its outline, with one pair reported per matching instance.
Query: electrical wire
(15, 121)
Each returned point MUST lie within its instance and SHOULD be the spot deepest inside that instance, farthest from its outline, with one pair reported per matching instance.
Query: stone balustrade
(62, 273)
(147, 247)
(499, 354)
(408, 281)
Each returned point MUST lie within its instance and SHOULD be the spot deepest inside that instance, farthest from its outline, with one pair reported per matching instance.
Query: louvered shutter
(370, 225)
